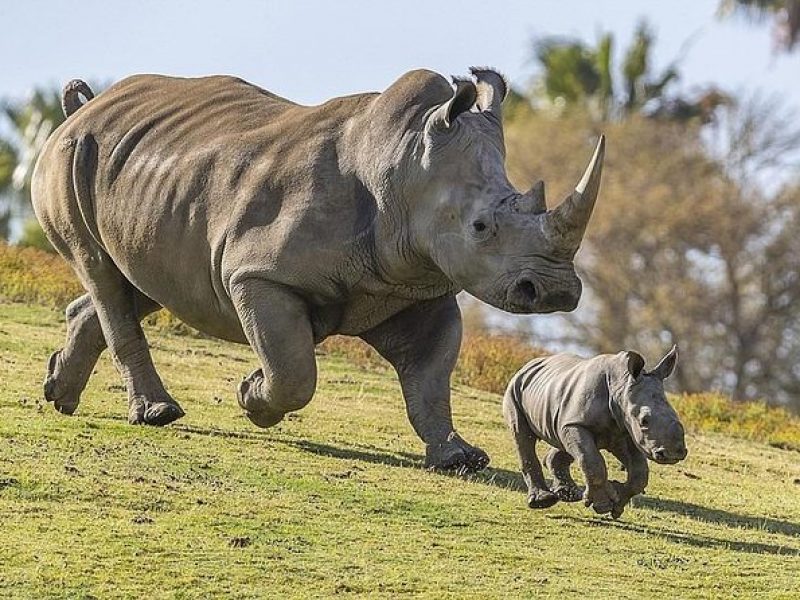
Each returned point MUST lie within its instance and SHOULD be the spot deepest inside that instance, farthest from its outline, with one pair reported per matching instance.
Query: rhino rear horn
(569, 219)
(533, 201)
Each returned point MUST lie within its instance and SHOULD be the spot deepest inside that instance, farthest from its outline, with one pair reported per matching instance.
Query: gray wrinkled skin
(260, 221)
(580, 406)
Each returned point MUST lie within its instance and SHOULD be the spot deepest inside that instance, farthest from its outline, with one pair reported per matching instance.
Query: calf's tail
(70, 98)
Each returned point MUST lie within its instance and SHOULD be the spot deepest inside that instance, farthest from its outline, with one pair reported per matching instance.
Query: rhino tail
(70, 98)
(84, 171)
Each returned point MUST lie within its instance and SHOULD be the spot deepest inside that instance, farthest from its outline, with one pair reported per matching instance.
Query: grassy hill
(334, 501)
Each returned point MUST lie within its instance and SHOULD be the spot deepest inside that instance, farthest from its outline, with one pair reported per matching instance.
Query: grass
(334, 501)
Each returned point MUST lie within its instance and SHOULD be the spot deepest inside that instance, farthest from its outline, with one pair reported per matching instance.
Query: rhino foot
(569, 492)
(252, 401)
(602, 499)
(454, 454)
(64, 397)
(623, 497)
(539, 498)
(157, 413)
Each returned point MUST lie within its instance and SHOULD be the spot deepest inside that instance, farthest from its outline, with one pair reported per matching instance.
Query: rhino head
(500, 245)
(639, 396)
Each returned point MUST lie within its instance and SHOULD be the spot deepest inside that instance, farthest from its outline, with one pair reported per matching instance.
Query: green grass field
(334, 501)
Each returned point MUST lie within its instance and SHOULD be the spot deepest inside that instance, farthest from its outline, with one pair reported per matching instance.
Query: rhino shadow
(679, 537)
(716, 515)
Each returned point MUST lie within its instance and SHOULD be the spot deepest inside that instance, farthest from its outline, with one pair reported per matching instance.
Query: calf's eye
(479, 226)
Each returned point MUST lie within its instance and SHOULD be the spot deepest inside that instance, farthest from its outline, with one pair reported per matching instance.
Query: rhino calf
(581, 406)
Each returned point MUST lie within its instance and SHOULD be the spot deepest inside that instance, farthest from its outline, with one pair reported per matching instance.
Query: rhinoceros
(264, 222)
(580, 406)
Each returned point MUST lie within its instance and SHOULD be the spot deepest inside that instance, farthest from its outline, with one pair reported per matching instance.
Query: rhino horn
(569, 219)
(533, 202)
(492, 89)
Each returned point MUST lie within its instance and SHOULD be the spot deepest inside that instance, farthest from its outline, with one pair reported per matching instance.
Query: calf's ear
(635, 363)
(667, 364)
(463, 99)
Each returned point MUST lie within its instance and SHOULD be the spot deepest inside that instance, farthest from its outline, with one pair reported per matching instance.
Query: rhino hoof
(455, 454)
(254, 407)
(542, 499)
(158, 414)
(569, 493)
(64, 402)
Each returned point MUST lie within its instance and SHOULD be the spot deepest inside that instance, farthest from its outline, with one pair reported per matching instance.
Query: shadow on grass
(690, 539)
(512, 480)
(718, 516)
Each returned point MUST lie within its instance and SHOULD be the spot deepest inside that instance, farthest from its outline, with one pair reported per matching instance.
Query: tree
(576, 74)
(30, 125)
(785, 15)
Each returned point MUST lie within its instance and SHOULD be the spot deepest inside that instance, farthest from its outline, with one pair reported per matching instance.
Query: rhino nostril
(527, 290)
(659, 454)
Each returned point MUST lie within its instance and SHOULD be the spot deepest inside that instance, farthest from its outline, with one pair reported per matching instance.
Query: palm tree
(574, 73)
(30, 123)
(784, 13)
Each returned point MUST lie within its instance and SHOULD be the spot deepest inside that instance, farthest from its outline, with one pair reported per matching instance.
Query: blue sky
(312, 50)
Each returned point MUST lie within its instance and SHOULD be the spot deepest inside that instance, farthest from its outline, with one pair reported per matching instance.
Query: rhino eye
(479, 226)
(645, 421)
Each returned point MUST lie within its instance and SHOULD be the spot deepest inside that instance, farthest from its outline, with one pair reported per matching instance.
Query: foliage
(784, 13)
(35, 277)
(756, 421)
(333, 501)
(30, 123)
(574, 74)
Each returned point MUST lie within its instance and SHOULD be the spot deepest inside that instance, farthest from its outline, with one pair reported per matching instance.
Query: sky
(310, 50)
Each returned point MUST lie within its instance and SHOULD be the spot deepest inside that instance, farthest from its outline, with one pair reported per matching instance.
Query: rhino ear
(666, 365)
(463, 99)
(635, 363)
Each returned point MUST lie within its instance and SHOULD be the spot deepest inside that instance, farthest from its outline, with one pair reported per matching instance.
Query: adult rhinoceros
(260, 221)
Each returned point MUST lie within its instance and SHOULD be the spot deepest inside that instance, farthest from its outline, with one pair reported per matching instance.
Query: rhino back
(200, 178)
(562, 390)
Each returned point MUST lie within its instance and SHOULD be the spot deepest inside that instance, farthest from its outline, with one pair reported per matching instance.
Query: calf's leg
(637, 471)
(558, 462)
(539, 495)
(599, 494)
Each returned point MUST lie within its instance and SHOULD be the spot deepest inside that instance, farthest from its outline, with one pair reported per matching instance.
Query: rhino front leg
(599, 494)
(277, 325)
(638, 473)
(539, 495)
(422, 344)
(558, 463)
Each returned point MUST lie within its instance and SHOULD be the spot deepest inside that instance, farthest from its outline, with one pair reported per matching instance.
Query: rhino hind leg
(558, 463)
(115, 303)
(278, 327)
(69, 369)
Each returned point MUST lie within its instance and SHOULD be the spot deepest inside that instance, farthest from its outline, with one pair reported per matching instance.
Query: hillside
(334, 500)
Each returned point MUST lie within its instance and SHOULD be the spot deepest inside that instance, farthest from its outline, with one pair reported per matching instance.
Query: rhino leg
(558, 462)
(422, 343)
(539, 495)
(278, 327)
(637, 474)
(600, 494)
(115, 299)
(69, 369)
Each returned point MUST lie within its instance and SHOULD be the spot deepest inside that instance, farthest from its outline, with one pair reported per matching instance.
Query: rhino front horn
(569, 219)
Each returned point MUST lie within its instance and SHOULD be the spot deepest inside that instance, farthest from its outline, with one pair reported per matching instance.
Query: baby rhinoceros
(580, 406)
